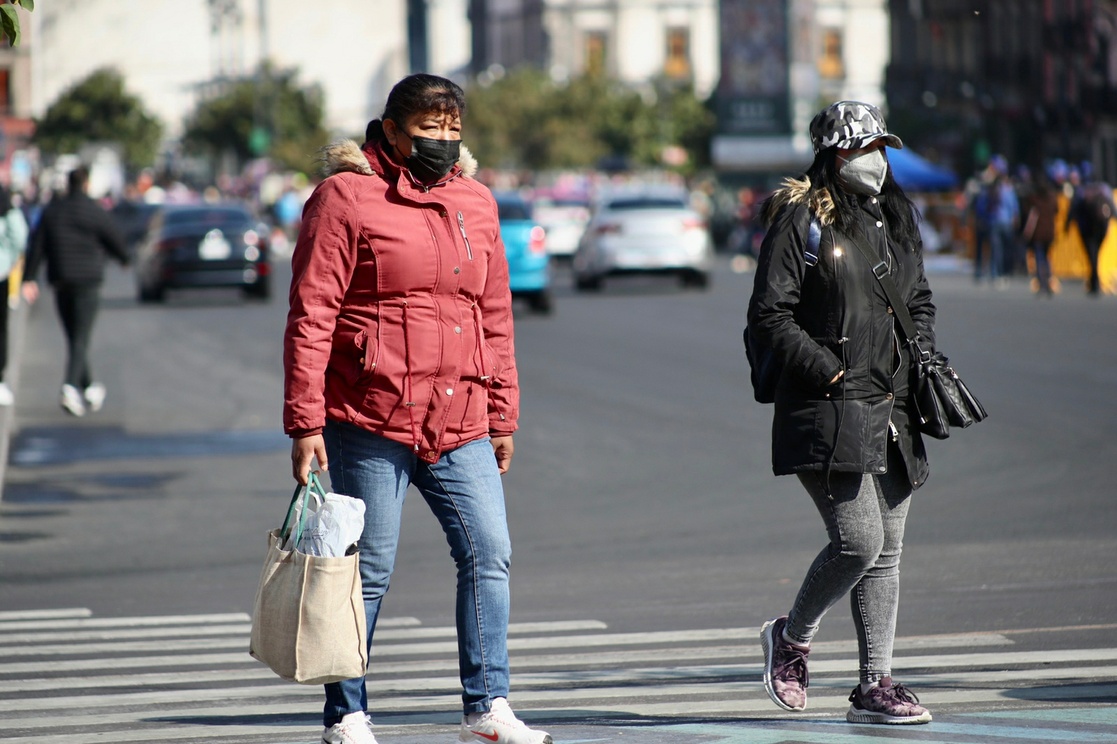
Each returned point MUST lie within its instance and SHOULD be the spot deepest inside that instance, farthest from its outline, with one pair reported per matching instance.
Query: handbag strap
(899, 307)
(312, 485)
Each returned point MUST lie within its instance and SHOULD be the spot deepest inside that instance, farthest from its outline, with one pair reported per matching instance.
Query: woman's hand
(502, 447)
(30, 292)
(841, 373)
(305, 450)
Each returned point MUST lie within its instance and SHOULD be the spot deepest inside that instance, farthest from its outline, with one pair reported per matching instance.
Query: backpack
(765, 368)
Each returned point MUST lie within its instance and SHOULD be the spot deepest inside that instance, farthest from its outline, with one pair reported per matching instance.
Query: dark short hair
(420, 93)
(77, 179)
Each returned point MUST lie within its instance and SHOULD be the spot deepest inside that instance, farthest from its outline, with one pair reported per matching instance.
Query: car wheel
(541, 302)
(695, 279)
(587, 283)
(151, 294)
(261, 290)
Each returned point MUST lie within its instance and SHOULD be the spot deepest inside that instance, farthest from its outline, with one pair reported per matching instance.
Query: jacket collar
(346, 156)
(799, 191)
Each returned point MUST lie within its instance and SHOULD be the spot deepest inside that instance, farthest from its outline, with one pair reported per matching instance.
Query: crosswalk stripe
(740, 698)
(125, 622)
(86, 679)
(734, 679)
(39, 615)
(242, 629)
(381, 650)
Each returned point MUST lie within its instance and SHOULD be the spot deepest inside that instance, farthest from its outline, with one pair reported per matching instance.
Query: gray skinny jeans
(865, 522)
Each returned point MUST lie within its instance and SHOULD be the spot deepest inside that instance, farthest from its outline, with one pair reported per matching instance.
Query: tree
(9, 18)
(527, 120)
(99, 109)
(267, 115)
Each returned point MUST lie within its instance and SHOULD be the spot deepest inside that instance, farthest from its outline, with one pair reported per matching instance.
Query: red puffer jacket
(401, 316)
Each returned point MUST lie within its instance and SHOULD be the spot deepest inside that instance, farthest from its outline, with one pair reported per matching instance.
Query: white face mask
(864, 172)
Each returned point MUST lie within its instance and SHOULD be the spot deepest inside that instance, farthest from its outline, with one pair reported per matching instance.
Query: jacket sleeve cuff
(304, 433)
(822, 368)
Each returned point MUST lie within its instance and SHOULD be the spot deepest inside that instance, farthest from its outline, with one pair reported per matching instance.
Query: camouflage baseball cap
(850, 125)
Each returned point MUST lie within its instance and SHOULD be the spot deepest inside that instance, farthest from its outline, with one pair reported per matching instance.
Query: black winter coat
(73, 236)
(835, 316)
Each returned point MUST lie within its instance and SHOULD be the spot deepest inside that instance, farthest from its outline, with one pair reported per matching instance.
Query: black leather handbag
(941, 399)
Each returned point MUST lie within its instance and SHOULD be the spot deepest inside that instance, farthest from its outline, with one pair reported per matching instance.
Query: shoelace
(792, 665)
(351, 729)
(903, 694)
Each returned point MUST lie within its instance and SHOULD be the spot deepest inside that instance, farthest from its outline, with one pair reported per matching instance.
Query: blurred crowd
(1019, 215)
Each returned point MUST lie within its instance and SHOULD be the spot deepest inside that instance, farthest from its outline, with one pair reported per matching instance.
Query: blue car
(525, 245)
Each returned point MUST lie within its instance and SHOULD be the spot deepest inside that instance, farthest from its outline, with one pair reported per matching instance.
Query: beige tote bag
(308, 618)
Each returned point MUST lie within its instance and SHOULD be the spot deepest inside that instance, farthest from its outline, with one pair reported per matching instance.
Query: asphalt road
(640, 500)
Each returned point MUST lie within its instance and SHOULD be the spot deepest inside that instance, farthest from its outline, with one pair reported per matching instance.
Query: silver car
(644, 231)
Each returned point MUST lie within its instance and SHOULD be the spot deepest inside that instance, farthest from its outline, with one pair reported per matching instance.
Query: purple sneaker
(886, 703)
(785, 667)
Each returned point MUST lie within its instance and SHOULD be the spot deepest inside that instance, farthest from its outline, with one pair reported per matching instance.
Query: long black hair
(900, 213)
(420, 93)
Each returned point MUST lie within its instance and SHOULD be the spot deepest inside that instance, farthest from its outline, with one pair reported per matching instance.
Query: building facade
(1034, 80)
(634, 41)
(16, 126)
(170, 52)
(781, 62)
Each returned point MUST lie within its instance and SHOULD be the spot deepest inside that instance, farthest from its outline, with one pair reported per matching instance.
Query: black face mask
(431, 159)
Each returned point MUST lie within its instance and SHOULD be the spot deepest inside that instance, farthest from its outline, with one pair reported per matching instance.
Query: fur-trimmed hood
(799, 191)
(346, 156)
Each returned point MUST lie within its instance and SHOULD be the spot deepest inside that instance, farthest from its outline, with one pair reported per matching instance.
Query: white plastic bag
(334, 522)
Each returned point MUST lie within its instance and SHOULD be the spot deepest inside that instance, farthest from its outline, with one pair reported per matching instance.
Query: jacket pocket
(368, 355)
(492, 366)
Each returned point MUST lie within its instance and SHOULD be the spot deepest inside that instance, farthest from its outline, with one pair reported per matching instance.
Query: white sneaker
(354, 728)
(72, 401)
(6, 395)
(95, 396)
(500, 726)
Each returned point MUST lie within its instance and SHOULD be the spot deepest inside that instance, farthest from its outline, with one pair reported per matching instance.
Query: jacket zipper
(461, 226)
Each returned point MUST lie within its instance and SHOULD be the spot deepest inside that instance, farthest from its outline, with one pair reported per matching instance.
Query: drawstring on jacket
(487, 378)
(841, 417)
(409, 385)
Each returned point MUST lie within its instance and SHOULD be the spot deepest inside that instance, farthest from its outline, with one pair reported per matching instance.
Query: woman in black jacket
(843, 422)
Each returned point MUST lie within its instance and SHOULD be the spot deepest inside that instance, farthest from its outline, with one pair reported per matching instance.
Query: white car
(644, 231)
(564, 218)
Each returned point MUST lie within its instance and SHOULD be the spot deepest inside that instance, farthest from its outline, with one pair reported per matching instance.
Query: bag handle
(313, 485)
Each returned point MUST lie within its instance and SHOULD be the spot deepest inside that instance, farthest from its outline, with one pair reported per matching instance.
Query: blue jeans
(865, 517)
(1001, 246)
(464, 491)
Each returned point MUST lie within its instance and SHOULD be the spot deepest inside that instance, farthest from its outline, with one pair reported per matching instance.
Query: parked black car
(203, 245)
(134, 220)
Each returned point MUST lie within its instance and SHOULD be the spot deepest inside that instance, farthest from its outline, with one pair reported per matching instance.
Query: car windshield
(224, 219)
(647, 202)
(513, 210)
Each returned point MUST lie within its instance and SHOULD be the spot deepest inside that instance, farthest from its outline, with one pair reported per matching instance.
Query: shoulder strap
(814, 237)
(899, 307)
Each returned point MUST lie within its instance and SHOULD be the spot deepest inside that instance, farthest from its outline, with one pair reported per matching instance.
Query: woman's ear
(391, 131)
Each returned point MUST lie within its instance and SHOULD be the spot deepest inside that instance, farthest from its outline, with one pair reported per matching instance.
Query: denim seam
(476, 588)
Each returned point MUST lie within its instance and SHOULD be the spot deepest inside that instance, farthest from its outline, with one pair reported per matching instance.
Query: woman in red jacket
(400, 370)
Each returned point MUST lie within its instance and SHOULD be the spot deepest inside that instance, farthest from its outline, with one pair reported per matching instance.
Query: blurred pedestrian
(400, 369)
(1091, 209)
(73, 236)
(1041, 211)
(843, 423)
(13, 243)
(998, 212)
